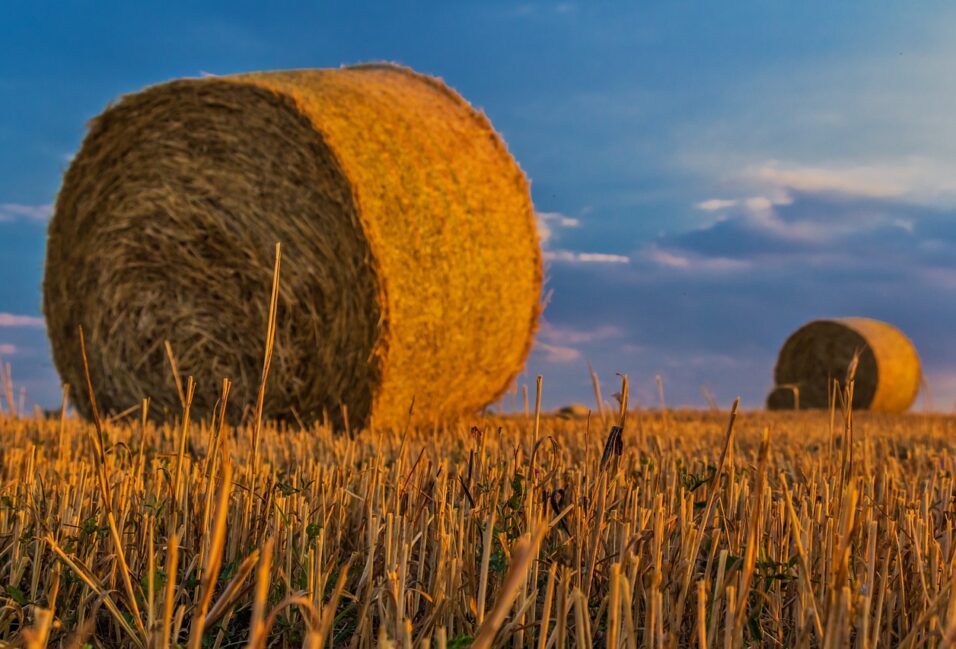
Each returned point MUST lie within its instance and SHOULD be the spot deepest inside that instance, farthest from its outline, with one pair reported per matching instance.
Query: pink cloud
(714, 204)
(559, 343)
(562, 335)
(688, 262)
(558, 353)
(15, 320)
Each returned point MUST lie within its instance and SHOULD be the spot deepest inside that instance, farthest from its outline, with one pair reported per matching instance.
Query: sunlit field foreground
(686, 529)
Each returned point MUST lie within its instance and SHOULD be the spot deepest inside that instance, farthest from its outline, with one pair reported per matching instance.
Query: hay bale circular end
(411, 266)
(887, 377)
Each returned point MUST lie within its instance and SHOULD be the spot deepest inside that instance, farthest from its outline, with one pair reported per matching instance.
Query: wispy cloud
(8, 349)
(561, 344)
(714, 204)
(810, 229)
(542, 8)
(20, 212)
(15, 320)
(570, 257)
(558, 353)
(761, 213)
(565, 335)
(873, 181)
(917, 179)
(685, 261)
(550, 222)
(842, 207)
(550, 228)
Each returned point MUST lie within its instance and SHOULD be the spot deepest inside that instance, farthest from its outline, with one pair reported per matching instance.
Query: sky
(707, 177)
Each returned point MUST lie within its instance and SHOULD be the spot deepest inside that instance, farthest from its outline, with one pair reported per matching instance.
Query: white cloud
(772, 197)
(558, 353)
(760, 213)
(688, 262)
(559, 343)
(570, 336)
(874, 181)
(707, 360)
(18, 212)
(570, 257)
(779, 197)
(549, 222)
(669, 259)
(15, 320)
(907, 225)
(6, 349)
(714, 204)
(913, 178)
(763, 217)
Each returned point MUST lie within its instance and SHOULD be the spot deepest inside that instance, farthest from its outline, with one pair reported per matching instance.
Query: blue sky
(708, 176)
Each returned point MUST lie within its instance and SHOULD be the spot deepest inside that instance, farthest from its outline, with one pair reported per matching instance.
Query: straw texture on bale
(411, 266)
(887, 377)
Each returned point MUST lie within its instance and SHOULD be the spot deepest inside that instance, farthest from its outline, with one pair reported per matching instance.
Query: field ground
(829, 531)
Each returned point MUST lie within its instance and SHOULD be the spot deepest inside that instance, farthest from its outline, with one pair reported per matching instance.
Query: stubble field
(683, 529)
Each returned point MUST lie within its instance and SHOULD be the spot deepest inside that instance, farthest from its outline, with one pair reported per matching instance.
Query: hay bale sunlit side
(411, 266)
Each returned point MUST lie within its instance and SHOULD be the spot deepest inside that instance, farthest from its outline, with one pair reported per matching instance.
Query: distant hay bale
(887, 377)
(411, 266)
(574, 411)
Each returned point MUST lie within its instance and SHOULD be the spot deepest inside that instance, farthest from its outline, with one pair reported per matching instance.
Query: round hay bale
(411, 266)
(887, 377)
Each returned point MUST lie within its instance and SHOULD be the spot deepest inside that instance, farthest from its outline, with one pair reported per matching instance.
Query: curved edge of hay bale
(887, 377)
(521, 178)
(897, 361)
